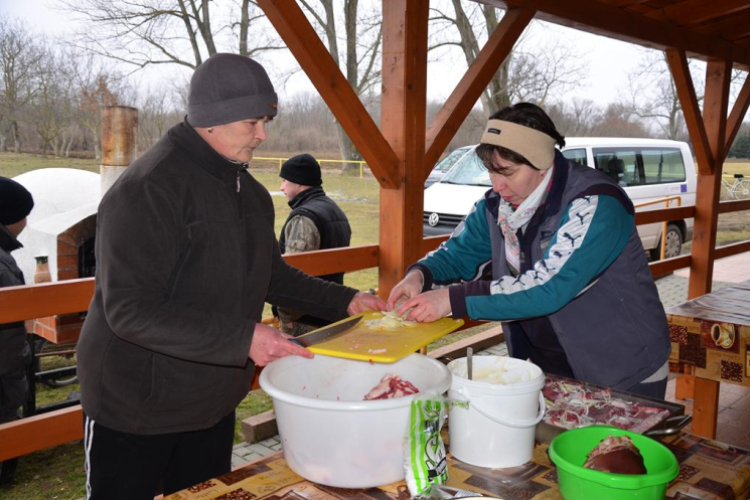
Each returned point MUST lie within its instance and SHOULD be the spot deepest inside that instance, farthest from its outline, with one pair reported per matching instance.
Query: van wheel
(674, 244)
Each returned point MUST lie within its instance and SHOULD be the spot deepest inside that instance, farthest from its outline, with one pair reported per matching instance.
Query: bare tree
(97, 86)
(525, 75)
(576, 118)
(19, 55)
(359, 60)
(51, 109)
(653, 96)
(156, 114)
(183, 32)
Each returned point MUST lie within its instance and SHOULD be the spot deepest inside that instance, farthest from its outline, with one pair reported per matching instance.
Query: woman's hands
(425, 307)
(269, 344)
(409, 287)
(428, 306)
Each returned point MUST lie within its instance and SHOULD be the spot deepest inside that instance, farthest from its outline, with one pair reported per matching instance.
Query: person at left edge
(186, 257)
(15, 354)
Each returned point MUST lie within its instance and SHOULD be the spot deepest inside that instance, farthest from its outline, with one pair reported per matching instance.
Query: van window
(469, 171)
(446, 163)
(663, 165)
(621, 165)
(577, 155)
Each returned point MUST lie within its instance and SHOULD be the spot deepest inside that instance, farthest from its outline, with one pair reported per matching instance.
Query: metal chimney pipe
(119, 141)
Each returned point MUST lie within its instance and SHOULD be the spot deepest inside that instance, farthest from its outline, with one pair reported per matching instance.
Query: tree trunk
(16, 137)
(68, 146)
(244, 22)
(97, 153)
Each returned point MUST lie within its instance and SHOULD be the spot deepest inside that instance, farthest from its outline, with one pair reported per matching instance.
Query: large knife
(327, 332)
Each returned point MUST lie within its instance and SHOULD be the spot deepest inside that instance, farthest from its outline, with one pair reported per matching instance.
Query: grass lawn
(58, 472)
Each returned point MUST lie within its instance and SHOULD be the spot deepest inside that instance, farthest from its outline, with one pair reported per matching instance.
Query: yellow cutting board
(364, 343)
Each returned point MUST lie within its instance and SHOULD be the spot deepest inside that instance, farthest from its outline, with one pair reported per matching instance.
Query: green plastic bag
(426, 463)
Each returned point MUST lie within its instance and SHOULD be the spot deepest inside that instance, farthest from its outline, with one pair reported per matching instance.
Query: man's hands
(270, 344)
(363, 302)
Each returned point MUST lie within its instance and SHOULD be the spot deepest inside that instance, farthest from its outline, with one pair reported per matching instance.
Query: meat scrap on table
(391, 386)
(572, 405)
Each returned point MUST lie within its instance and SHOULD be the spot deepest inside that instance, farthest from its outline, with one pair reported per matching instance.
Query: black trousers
(133, 467)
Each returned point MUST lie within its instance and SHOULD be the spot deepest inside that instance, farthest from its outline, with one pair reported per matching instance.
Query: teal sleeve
(590, 236)
(466, 253)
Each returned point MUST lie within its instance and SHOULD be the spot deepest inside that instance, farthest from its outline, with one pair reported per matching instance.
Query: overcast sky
(606, 61)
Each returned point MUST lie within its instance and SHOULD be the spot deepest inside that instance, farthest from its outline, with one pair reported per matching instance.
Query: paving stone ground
(672, 291)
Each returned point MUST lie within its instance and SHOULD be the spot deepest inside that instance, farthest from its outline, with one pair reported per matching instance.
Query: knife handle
(295, 341)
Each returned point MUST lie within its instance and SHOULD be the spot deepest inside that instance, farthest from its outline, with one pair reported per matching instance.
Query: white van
(648, 169)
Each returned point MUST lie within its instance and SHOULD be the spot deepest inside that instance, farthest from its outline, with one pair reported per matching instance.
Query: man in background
(315, 223)
(15, 355)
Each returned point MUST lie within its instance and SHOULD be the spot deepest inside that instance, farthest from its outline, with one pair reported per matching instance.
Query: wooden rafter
(300, 37)
(678, 65)
(455, 110)
(622, 24)
(732, 28)
(738, 113)
(697, 11)
(624, 3)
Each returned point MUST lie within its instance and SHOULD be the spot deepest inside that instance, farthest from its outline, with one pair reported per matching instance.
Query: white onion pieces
(389, 321)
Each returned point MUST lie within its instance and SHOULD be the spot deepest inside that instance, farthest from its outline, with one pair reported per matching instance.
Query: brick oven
(75, 259)
(62, 228)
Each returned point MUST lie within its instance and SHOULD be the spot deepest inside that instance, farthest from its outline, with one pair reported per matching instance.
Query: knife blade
(327, 332)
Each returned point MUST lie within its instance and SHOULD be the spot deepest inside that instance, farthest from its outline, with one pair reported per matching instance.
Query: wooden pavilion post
(403, 117)
(708, 136)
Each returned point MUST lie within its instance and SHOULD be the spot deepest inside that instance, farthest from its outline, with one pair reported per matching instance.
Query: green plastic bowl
(569, 450)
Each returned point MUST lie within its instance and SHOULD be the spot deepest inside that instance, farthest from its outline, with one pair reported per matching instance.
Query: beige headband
(535, 146)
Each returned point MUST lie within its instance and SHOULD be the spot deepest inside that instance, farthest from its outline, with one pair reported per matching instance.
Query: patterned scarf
(510, 221)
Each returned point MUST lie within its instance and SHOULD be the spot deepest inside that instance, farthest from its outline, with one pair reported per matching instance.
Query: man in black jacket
(186, 258)
(15, 355)
(315, 223)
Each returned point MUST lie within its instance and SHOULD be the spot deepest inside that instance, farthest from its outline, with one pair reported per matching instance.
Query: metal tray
(671, 425)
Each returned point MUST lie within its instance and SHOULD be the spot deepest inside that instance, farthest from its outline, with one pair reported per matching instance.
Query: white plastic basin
(330, 435)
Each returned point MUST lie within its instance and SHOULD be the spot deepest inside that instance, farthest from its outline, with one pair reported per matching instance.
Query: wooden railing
(35, 301)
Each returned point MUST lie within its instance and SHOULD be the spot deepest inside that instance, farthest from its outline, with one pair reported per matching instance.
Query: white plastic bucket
(505, 405)
(330, 435)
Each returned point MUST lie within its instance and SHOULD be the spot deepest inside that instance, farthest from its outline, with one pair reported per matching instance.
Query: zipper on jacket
(243, 168)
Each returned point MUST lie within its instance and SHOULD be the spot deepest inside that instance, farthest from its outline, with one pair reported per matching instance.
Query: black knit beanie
(228, 88)
(302, 169)
(15, 201)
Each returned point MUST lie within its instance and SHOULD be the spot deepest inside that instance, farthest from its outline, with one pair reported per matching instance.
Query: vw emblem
(433, 220)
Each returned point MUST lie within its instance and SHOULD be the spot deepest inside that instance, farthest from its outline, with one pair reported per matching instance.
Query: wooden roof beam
(678, 65)
(306, 46)
(624, 3)
(732, 28)
(455, 110)
(697, 11)
(606, 20)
